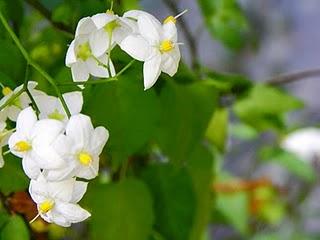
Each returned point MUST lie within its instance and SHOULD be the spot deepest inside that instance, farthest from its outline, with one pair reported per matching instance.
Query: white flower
(305, 143)
(80, 58)
(156, 45)
(57, 201)
(51, 107)
(85, 144)
(12, 111)
(4, 136)
(34, 142)
(111, 30)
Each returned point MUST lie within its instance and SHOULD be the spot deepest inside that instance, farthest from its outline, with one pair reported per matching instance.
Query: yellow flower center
(85, 158)
(111, 26)
(22, 146)
(84, 51)
(46, 206)
(56, 115)
(166, 46)
(170, 19)
(6, 91)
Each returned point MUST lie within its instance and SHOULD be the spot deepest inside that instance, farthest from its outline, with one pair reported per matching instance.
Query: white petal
(136, 46)
(47, 130)
(74, 101)
(170, 32)
(26, 120)
(79, 190)
(79, 129)
(46, 105)
(151, 71)
(13, 113)
(101, 19)
(88, 172)
(60, 174)
(55, 217)
(98, 140)
(1, 159)
(30, 167)
(62, 190)
(150, 28)
(99, 42)
(79, 72)
(72, 212)
(95, 69)
(85, 26)
(38, 188)
(170, 62)
(71, 55)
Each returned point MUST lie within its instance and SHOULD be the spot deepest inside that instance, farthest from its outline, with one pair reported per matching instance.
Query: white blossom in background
(111, 30)
(12, 111)
(85, 144)
(34, 142)
(57, 201)
(80, 57)
(305, 143)
(51, 107)
(4, 136)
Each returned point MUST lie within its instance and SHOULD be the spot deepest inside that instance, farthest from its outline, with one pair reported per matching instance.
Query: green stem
(25, 86)
(33, 64)
(12, 99)
(111, 79)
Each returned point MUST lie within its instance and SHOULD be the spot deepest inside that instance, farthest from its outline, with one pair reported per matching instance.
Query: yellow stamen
(46, 206)
(85, 158)
(6, 91)
(170, 19)
(166, 46)
(22, 146)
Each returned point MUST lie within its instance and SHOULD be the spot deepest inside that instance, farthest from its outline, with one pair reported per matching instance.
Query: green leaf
(15, 229)
(217, 131)
(243, 131)
(174, 200)
(12, 168)
(200, 167)
(129, 113)
(11, 61)
(225, 21)
(290, 162)
(265, 106)
(234, 207)
(121, 211)
(185, 114)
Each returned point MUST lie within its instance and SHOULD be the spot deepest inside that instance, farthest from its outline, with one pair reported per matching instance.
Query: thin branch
(42, 72)
(37, 5)
(101, 81)
(293, 77)
(172, 5)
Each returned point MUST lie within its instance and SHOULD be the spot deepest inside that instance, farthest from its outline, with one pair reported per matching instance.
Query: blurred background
(259, 191)
(283, 39)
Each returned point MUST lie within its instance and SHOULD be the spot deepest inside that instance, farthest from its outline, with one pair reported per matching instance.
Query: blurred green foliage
(167, 140)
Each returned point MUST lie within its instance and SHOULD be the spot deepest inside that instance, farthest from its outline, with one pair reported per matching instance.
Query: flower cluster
(138, 33)
(55, 151)
(56, 142)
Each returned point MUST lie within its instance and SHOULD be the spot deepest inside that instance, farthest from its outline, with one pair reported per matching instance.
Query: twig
(48, 15)
(172, 5)
(42, 72)
(293, 77)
